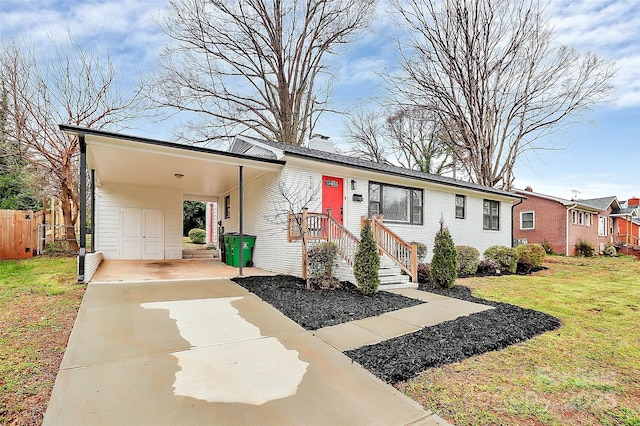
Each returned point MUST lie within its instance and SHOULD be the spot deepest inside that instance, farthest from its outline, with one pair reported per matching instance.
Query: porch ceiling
(206, 173)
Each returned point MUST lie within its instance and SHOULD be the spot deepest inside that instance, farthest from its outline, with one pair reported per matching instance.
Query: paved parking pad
(209, 352)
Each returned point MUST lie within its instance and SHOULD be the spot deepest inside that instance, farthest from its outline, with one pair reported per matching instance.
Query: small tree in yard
(367, 262)
(444, 265)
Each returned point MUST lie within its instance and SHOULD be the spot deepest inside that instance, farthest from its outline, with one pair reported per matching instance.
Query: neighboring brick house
(628, 224)
(563, 223)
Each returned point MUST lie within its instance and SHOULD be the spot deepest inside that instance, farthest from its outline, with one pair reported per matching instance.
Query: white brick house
(139, 185)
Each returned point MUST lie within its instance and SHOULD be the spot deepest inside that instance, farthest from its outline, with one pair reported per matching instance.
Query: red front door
(332, 196)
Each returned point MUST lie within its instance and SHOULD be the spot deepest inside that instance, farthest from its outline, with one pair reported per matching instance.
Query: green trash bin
(248, 241)
(228, 247)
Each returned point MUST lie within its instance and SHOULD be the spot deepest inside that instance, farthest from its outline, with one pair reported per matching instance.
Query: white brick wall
(91, 263)
(111, 198)
(262, 203)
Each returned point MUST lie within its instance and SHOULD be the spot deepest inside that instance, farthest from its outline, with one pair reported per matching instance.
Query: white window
(574, 217)
(588, 219)
(527, 220)
(461, 206)
(581, 218)
(602, 226)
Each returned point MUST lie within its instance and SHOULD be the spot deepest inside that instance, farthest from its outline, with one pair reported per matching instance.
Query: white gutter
(566, 247)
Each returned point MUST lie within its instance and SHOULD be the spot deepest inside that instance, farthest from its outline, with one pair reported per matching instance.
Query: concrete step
(199, 254)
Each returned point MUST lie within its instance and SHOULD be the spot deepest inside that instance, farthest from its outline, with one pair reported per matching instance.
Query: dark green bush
(444, 264)
(367, 262)
(321, 261)
(584, 248)
(524, 267)
(424, 273)
(506, 257)
(422, 250)
(197, 235)
(532, 253)
(487, 267)
(468, 260)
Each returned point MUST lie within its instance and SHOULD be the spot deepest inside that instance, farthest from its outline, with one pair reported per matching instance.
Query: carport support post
(240, 218)
(83, 207)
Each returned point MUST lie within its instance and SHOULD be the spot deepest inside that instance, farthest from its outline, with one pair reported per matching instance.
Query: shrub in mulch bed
(322, 307)
(403, 357)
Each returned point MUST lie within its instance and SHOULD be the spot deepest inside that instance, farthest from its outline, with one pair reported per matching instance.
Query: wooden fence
(18, 233)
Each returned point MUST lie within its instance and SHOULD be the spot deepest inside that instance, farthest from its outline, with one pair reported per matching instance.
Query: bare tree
(407, 136)
(73, 87)
(490, 70)
(290, 201)
(254, 65)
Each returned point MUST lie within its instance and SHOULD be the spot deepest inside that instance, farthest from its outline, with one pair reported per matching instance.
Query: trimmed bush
(468, 260)
(321, 261)
(422, 250)
(424, 273)
(531, 253)
(444, 264)
(505, 257)
(197, 235)
(610, 250)
(367, 262)
(584, 248)
(487, 267)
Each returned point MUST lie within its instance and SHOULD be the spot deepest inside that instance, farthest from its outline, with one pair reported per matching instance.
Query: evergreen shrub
(422, 250)
(505, 257)
(197, 235)
(468, 260)
(584, 248)
(367, 262)
(444, 264)
(532, 253)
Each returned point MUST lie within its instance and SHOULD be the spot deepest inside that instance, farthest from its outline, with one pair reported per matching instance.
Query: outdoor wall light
(178, 175)
(354, 185)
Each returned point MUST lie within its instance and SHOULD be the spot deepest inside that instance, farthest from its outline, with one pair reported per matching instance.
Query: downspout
(83, 207)
(513, 206)
(240, 218)
(566, 244)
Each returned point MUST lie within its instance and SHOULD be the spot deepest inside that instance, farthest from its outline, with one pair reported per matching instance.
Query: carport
(195, 172)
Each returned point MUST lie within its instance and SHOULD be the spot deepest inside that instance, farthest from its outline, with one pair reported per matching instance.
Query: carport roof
(125, 159)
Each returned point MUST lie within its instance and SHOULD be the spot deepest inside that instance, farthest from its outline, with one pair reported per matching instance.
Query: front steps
(391, 276)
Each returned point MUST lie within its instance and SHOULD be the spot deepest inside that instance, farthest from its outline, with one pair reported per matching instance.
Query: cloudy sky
(601, 154)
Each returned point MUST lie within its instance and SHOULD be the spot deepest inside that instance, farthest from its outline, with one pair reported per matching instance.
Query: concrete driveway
(209, 352)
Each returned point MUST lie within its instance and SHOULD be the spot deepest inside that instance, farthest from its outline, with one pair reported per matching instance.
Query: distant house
(140, 185)
(563, 223)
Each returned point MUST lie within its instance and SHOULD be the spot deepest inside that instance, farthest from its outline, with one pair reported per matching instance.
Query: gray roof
(623, 212)
(340, 159)
(601, 203)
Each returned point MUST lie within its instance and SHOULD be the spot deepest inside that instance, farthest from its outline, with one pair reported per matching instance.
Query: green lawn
(585, 373)
(39, 300)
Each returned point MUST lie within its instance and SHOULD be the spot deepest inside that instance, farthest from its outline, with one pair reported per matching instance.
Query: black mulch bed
(401, 358)
(321, 308)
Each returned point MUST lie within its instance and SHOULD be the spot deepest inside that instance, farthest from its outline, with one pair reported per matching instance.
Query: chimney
(528, 189)
(321, 143)
(633, 202)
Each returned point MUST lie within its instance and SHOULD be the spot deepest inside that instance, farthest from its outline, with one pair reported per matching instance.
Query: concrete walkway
(209, 352)
(369, 331)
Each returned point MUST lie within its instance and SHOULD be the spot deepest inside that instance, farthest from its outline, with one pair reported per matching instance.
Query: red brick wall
(549, 222)
(584, 232)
